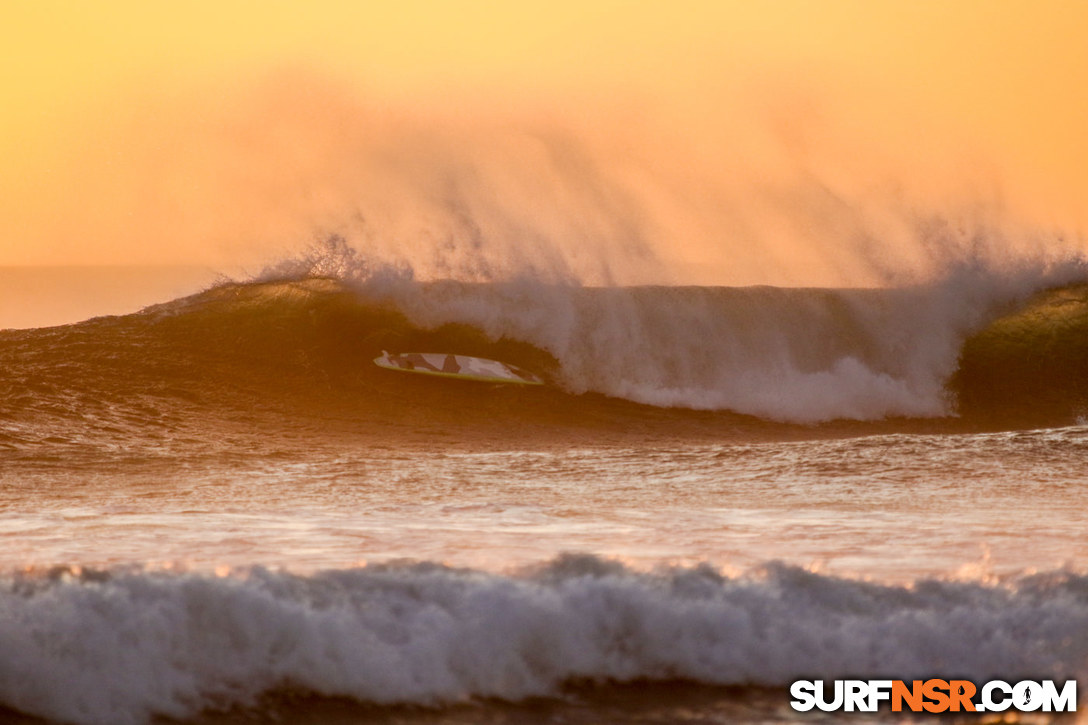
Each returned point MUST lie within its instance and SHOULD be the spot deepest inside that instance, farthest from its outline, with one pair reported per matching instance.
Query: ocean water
(218, 510)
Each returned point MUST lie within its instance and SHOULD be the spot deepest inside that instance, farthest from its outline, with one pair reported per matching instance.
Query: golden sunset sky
(228, 133)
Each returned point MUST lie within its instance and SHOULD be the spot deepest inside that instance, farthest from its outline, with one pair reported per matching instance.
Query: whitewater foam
(124, 646)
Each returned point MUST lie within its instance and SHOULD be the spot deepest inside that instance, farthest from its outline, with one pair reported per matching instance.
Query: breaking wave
(968, 346)
(123, 646)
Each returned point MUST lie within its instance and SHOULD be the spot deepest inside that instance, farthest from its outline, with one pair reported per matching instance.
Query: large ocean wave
(980, 346)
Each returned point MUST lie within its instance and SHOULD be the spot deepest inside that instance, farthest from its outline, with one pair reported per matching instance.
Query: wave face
(1030, 364)
(789, 355)
(123, 646)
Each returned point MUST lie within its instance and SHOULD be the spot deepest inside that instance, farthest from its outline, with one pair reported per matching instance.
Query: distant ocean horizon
(48, 295)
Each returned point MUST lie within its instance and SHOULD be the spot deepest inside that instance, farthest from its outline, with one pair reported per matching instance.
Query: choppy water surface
(888, 507)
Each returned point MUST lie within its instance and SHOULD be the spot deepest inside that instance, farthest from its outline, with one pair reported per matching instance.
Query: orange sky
(226, 133)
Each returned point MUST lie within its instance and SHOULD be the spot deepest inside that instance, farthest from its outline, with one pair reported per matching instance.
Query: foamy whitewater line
(124, 646)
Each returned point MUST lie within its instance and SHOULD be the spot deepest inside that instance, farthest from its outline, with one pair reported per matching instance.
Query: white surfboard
(447, 365)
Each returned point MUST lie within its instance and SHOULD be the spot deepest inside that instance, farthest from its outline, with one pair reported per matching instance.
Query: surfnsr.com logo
(934, 696)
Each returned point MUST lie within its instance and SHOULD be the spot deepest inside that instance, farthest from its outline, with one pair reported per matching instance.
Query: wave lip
(126, 646)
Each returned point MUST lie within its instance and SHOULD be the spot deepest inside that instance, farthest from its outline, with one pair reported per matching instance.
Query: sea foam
(125, 646)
